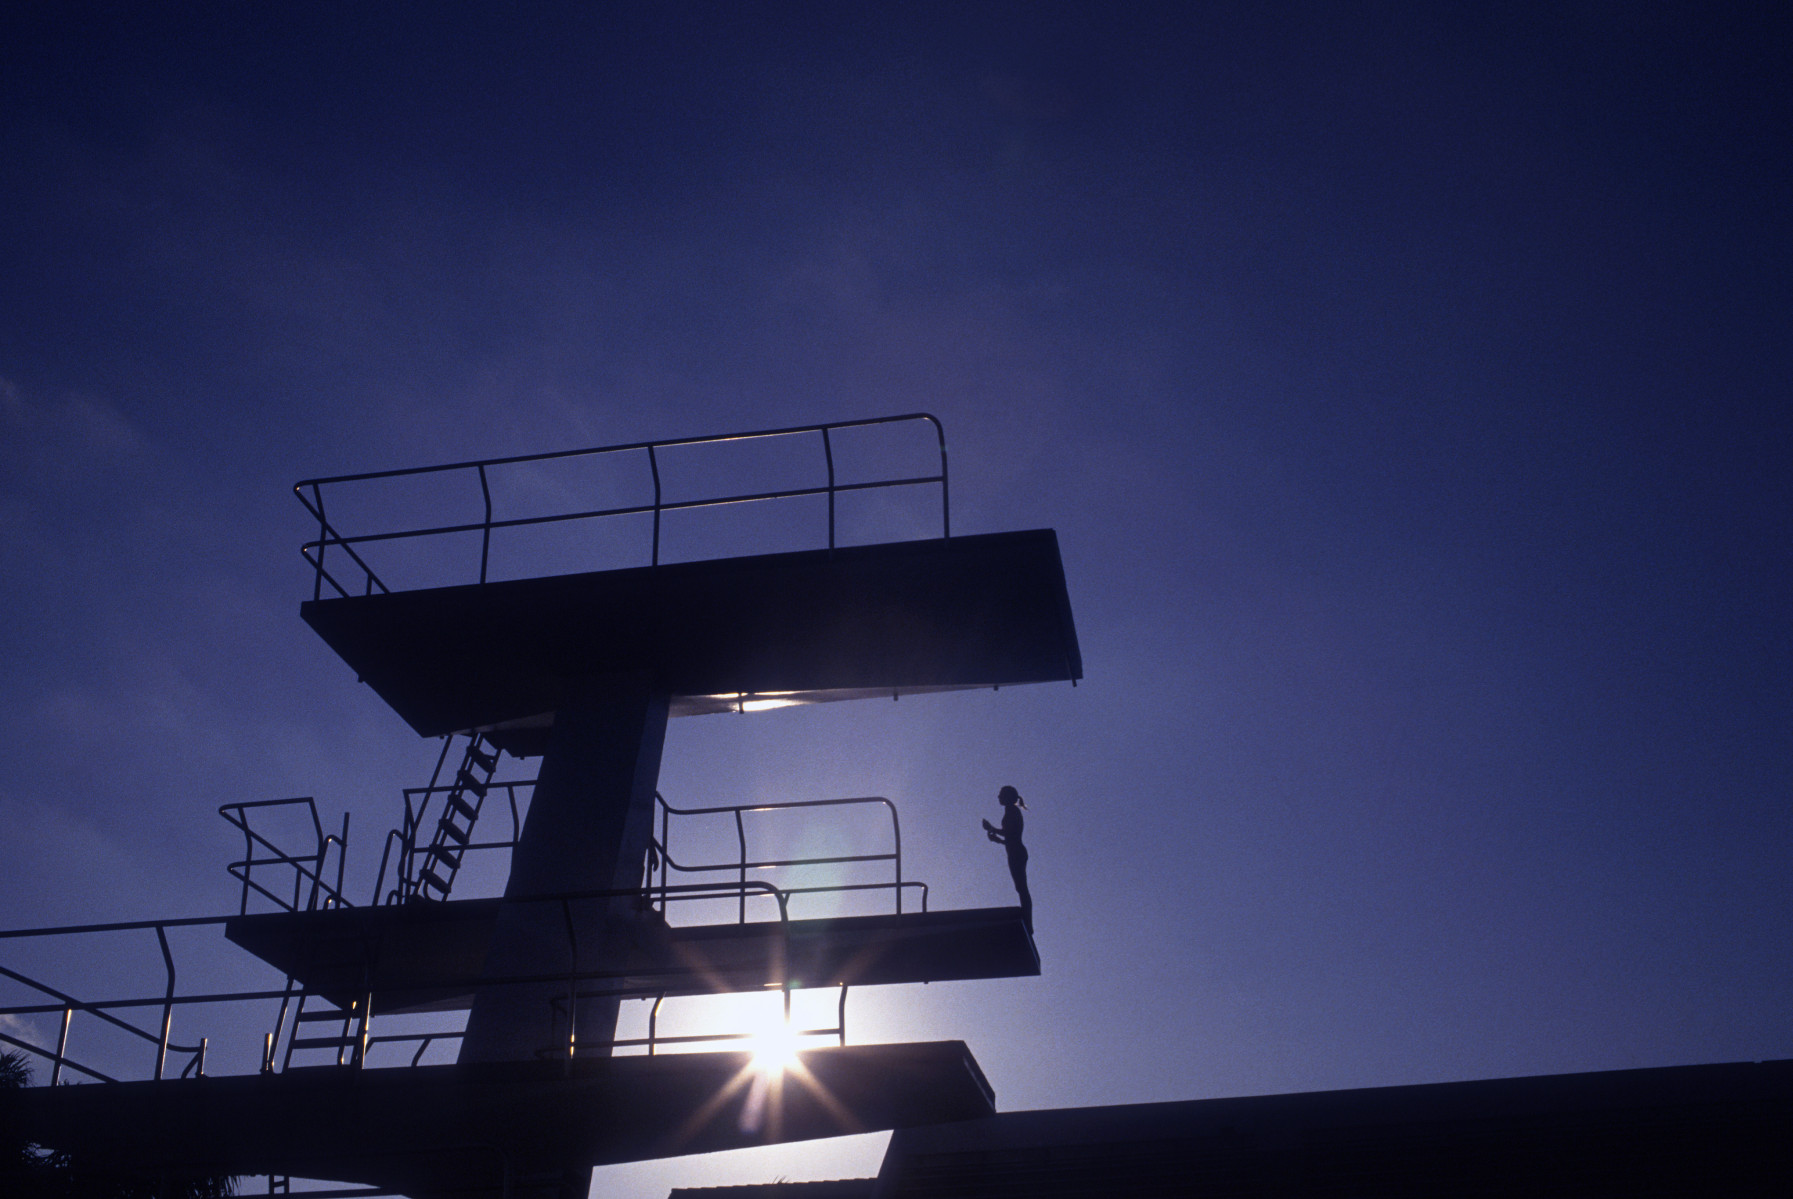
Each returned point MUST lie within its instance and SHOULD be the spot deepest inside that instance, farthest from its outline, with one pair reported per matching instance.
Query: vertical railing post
(485, 544)
(286, 1000)
(361, 1033)
(784, 950)
(828, 453)
(665, 848)
(317, 583)
(407, 835)
(167, 1001)
(896, 832)
(946, 512)
(68, 1012)
(653, 465)
(741, 837)
(566, 915)
(248, 861)
(342, 855)
(317, 873)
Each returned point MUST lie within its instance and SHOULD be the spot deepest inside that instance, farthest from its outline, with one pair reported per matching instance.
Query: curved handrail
(237, 815)
(315, 551)
(68, 1005)
(743, 864)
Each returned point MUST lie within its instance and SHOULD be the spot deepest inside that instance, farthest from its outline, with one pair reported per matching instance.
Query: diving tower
(579, 670)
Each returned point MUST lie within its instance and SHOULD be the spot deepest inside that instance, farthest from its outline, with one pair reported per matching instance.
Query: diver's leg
(1018, 872)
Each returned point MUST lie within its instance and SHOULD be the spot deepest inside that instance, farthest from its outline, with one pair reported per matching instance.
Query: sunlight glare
(774, 1047)
(765, 705)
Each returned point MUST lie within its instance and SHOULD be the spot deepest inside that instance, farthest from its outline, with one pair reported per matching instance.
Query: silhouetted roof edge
(839, 1188)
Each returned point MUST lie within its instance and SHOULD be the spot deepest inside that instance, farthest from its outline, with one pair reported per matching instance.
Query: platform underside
(419, 956)
(434, 1129)
(859, 621)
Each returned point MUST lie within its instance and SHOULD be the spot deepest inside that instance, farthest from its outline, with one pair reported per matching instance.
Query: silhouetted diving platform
(429, 1130)
(844, 623)
(429, 956)
(583, 670)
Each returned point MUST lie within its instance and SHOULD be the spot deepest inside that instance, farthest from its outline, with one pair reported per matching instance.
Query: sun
(773, 1045)
(773, 1073)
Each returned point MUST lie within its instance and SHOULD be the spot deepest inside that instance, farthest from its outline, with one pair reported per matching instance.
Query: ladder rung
(457, 804)
(430, 876)
(471, 782)
(455, 832)
(445, 854)
(485, 761)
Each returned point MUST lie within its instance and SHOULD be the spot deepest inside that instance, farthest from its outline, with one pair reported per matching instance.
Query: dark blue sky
(1408, 389)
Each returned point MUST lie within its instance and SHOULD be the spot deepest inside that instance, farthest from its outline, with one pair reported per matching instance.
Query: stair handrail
(661, 855)
(417, 807)
(407, 878)
(304, 866)
(406, 837)
(316, 550)
(397, 893)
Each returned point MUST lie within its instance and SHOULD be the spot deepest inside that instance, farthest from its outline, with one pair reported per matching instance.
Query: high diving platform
(580, 668)
(857, 622)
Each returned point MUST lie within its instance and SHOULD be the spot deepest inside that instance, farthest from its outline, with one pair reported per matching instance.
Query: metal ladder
(349, 1040)
(318, 1023)
(454, 829)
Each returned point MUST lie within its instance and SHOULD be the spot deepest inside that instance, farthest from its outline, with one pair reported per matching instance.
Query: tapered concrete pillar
(588, 829)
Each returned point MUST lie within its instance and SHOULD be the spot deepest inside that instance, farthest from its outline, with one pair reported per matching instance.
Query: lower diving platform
(480, 1128)
(430, 956)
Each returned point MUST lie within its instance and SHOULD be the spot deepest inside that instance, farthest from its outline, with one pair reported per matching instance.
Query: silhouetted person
(1009, 837)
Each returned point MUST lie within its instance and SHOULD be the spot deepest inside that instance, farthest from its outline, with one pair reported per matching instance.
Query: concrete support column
(588, 829)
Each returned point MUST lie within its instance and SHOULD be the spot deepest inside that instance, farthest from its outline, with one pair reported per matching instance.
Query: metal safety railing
(568, 1007)
(838, 1031)
(66, 1005)
(311, 493)
(307, 868)
(632, 982)
(661, 860)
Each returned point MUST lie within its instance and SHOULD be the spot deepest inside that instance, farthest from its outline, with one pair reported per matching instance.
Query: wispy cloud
(21, 1029)
(62, 436)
